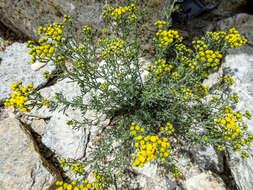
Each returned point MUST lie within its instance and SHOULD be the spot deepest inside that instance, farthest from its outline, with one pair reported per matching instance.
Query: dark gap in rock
(45, 152)
(227, 176)
(9, 36)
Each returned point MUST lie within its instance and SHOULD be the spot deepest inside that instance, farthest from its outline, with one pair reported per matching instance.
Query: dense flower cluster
(160, 23)
(159, 68)
(200, 45)
(112, 47)
(168, 128)
(77, 167)
(53, 36)
(167, 37)
(19, 99)
(100, 182)
(229, 80)
(234, 39)
(217, 36)
(150, 147)
(229, 126)
(210, 57)
(121, 12)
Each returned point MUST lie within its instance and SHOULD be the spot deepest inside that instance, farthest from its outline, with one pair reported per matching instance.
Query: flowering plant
(156, 106)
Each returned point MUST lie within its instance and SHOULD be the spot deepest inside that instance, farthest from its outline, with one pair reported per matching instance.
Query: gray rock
(15, 67)
(204, 181)
(26, 16)
(60, 137)
(214, 78)
(244, 24)
(207, 158)
(241, 65)
(22, 167)
(194, 177)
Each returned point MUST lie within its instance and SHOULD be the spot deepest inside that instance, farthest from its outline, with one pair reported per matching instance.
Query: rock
(214, 78)
(60, 137)
(26, 16)
(149, 177)
(15, 67)
(38, 65)
(207, 158)
(195, 176)
(244, 24)
(241, 67)
(21, 165)
(242, 170)
(38, 125)
(205, 181)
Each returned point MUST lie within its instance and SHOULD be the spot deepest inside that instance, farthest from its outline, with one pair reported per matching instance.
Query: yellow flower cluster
(187, 93)
(167, 37)
(160, 68)
(19, 99)
(247, 114)
(217, 36)
(46, 75)
(199, 45)
(77, 167)
(229, 126)
(60, 59)
(112, 47)
(168, 128)
(189, 62)
(46, 48)
(234, 97)
(211, 58)
(100, 182)
(120, 12)
(54, 31)
(46, 103)
(234, 39)
(175, 76)
(67, 19)
(229, 80)
(160, 23)
(79, 64)
(87, 31)
(200, 90)
(150, 147)
(182, 48)
(104, 86)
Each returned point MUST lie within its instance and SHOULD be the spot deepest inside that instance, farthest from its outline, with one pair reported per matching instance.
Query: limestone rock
(60, 137)
(205, 181)
(37, 65)
(22, 167)
(244, 24)
(213, 78)
(26, 16)
(15, 67)
(207, 158)
(241, 66)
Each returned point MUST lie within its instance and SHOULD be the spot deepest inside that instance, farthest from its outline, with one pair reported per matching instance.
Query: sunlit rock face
(21, 165)
(26, 16)
(15, 66)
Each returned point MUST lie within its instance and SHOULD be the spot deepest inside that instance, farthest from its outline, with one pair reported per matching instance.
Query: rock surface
(22, 167)
(60, 137)
(26, 16)
(15, 67)
(195, 177)
(241, 65)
